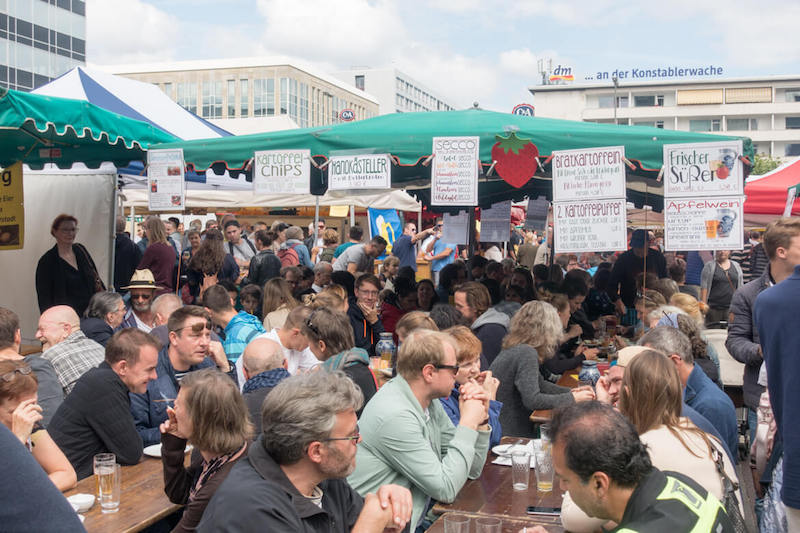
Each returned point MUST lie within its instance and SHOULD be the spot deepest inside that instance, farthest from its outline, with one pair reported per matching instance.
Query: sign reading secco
(12, 212)
(282, 172)
(703, 169)
(454, 176)
(703, 223)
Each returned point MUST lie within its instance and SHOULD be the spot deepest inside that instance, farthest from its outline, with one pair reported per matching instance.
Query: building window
(742, 124)
(792, 150)
(622, 101)
(303, 107)
(648, 101)
(360, 82)
(187, 96)
(212, 99)
(264, 97)
(793, 95)
(231, 96)
(244, 98)
(651, 123)
(168, 90)
(704, 125)
(793, 123)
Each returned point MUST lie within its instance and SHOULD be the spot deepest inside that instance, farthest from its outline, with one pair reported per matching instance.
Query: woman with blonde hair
(159, 256)
(532, 338)
(689, 305)
(211, 413)
(326, 298)
(389, 270)
(278, 302)
(411, 321)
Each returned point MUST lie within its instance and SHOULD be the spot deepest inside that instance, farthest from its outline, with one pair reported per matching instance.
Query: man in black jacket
(127, 257)
(96, 416)
(363, 313)
(265, 265)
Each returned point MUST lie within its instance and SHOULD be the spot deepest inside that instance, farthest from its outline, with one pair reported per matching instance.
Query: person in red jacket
(400, 302)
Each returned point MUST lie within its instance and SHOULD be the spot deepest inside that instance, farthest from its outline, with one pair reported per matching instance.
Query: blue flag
(387, 224)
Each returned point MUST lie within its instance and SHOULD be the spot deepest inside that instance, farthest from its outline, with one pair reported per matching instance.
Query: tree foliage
(765, 163)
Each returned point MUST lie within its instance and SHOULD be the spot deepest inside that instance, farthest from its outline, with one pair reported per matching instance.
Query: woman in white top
(651, 398)
(278, 301)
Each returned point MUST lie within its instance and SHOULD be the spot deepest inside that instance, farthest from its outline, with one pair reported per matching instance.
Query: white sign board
(704, 223)
(165, 187)
(703, 169)
(496, 222)
(588, 173)
(536, 217)
(282, 172)
(590, 226)
(354, 172)
(456, 228)
(454, 174)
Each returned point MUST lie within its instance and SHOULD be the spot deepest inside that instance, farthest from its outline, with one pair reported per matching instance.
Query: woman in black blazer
(66, 273)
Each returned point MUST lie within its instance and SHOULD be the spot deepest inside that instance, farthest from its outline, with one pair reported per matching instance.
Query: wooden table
(142, 500)
(492, 495)
(510, 524)
(567, 379)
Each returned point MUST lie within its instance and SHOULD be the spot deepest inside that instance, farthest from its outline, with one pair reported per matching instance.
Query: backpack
(288, 256)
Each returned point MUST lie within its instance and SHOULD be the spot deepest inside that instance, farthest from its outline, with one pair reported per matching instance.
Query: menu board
(454, 174)
(165, 187)
(704, 223)
(590, 226)
(456, 228)
(354, 172)
(496, 222)
(536, 217)
(703, 169)
(12, 208)
(282, 172)
(590, 173)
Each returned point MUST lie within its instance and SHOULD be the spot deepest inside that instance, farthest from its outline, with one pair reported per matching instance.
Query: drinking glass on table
(544, 435)
(544, 471)
(488, 525)
(108, 478)
(456, 523)
(101, 460)
(520, 469)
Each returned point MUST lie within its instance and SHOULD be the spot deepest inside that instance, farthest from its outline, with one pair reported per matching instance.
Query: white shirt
(298, 360)
(493, 254)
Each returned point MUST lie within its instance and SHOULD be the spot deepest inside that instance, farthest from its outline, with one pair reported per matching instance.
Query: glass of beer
(544, 471)
(711, 229)
(107, 477)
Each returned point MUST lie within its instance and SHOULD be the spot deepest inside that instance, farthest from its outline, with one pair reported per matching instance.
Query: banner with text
(588, 173)
(454, 175)
(282, 172)
(590, 226)
(353, 172)
(166, 190)
(496, 222)
(703, 169)
(536, 217)
(456, 228)
(703, 223)
(12, 208)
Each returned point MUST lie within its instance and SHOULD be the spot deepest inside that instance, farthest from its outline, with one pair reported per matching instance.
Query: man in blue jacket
(189, 349)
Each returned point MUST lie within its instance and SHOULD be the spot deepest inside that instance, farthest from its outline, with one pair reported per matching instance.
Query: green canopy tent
(37, 129)
(408, 138)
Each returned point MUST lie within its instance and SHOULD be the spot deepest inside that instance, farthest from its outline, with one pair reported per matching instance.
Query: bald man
(71, 353)
(264, 366)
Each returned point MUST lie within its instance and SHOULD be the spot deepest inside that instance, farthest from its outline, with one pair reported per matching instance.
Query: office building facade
(765, 109)
(233, 91)
(40, 40)
(396, 91)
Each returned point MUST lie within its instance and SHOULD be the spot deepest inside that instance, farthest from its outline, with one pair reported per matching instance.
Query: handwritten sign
(454, 176)
(282, 172)
(590, 226)
(495, 222)
(456, 228)
(165, 187)
(353, 172)
(536, 217)
(704, 223)
(703, 169)
(12, 211)
(588, 174)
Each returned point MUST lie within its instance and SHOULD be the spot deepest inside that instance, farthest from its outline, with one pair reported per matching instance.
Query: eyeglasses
(9, 376)
(454, 368)
(198, 327)
(353, 438)
(368, 293)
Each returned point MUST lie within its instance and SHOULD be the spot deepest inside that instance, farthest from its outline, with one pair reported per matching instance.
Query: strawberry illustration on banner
(516, 159)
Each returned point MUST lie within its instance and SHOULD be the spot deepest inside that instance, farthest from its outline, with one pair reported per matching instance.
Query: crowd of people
(258, 345)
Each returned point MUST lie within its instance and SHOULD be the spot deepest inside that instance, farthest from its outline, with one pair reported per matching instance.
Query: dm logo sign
(526, 110)
(347, 115)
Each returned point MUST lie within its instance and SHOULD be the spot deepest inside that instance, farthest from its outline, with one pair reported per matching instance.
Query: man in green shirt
(408, 438)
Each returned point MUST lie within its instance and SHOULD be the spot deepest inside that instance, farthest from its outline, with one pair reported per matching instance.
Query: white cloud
(130, 31)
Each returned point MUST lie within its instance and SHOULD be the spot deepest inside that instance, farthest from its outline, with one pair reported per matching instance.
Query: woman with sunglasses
(20, 413)
(331, 340)
(212, 415)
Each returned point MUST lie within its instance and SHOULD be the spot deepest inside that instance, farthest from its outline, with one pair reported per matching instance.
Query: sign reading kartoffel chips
(703, 223)
(282, 172)
(165, 185)
(588, 173)
(454, 176)
(369, 171)
(703, 169)
(590, 226)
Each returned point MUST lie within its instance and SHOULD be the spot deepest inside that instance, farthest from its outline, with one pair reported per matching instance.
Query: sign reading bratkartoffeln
(588, 173)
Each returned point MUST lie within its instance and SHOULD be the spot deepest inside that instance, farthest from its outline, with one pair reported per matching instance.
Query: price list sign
(590, 226)
(165, 188)
(454, 174)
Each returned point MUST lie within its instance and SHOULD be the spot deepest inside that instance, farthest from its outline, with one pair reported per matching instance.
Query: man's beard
(141, 307)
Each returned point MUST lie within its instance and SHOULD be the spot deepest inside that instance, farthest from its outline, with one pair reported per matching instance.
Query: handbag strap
(88, 260)
(728, 484)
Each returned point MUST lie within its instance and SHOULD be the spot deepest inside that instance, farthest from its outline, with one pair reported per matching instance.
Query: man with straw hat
(142, 289)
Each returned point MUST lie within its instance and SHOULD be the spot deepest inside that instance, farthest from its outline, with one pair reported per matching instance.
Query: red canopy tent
(766, 194)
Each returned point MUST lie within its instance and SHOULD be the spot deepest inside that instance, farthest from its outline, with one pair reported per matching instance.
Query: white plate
(81, 502)
(154, 450)
(504, 450)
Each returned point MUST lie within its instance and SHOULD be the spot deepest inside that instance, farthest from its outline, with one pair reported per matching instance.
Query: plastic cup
(520, 469)
(108, 479)
(544, 471)
(456, 523)
(488, 525)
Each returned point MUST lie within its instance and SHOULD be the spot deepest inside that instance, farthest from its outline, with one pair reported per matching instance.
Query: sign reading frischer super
(699, 169)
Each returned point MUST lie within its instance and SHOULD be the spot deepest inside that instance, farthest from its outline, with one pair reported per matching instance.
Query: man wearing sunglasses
(408, 438)
(142, 289)
(190, 348)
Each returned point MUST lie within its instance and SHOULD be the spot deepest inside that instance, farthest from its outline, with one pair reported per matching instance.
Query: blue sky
(466, 50)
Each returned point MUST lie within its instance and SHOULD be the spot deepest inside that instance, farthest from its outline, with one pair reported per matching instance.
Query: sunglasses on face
(197, 327)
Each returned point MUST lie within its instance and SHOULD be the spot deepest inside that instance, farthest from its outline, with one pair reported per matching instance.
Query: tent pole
(113, 239)
(316, 221)
(352, 215)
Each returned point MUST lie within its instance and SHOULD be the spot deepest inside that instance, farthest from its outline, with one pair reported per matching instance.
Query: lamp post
(615, 80)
